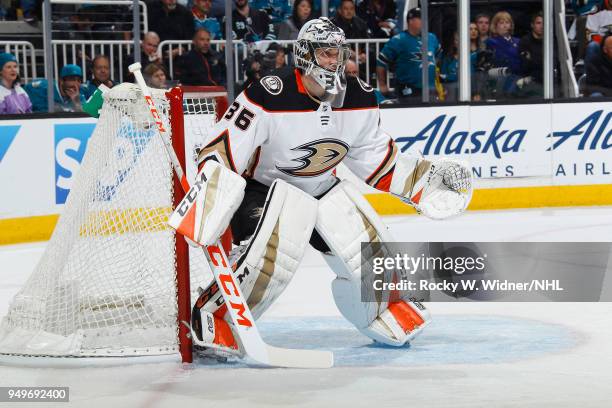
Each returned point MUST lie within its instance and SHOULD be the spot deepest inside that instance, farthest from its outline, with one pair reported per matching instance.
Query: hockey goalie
(268, 173)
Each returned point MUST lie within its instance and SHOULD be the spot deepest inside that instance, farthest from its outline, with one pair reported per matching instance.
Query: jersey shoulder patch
(279, 93)
(273, 84)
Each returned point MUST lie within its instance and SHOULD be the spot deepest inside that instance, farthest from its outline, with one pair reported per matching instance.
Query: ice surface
(472, 355)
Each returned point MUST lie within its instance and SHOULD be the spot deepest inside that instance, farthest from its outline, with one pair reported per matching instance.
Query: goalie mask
(321, 52)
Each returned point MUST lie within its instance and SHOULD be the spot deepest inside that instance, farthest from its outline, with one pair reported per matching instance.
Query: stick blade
(294, 358)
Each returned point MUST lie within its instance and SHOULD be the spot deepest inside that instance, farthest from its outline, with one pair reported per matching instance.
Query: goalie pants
(245, 219)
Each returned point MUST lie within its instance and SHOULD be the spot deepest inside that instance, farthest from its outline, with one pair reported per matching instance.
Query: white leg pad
(271, 257)
(345, 220)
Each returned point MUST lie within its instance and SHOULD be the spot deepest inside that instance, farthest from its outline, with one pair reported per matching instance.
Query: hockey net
(106, 285)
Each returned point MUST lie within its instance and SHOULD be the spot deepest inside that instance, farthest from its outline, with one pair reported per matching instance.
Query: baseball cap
(413, 13)
(275, 47)
(71, 70)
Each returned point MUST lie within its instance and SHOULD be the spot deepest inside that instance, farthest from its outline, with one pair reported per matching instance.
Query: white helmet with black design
(322, 34)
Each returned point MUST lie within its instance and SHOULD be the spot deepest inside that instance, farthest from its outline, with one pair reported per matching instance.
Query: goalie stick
(253, 344)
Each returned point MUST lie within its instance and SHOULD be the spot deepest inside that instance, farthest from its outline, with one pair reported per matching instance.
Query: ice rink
(472, 355)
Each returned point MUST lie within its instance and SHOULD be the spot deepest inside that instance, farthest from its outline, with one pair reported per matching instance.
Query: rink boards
(535, 155)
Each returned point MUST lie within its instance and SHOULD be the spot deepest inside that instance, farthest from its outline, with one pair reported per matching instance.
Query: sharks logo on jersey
(323, 155)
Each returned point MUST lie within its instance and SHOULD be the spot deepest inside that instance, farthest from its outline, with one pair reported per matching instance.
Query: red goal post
(189, 102)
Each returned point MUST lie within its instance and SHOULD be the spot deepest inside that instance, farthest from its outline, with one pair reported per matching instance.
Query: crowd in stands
(592, 29)
(504, 63)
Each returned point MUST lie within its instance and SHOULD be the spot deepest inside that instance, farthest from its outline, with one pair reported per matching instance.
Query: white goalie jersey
(276, 134)
(275, 130)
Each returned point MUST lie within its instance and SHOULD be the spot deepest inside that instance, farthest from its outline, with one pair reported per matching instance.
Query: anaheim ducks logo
(323, 155)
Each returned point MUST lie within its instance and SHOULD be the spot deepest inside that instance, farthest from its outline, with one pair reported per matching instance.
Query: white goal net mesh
(105, 285)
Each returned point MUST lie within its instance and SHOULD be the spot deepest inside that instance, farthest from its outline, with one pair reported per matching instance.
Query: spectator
(379, 16)
(532, 56)
(353, 26)
(351, 69)
(250, 24)
(170, 20)
(482, 23)
(302, 12)
(253, 70)
(148, 54)
(504, 65)
(277, 10)
(101, 75)
(597, 26)
(202, 19)
(148, 50)
(475, 43)
(276, 59)
(449, 67)
(403, 52)
(202, 65)
(259, 64)
(155, 76)
(578, 30)
(599, 71)
(67, 96)
(281, 57)
(13, 99)
(478, 80)
(504, 46)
